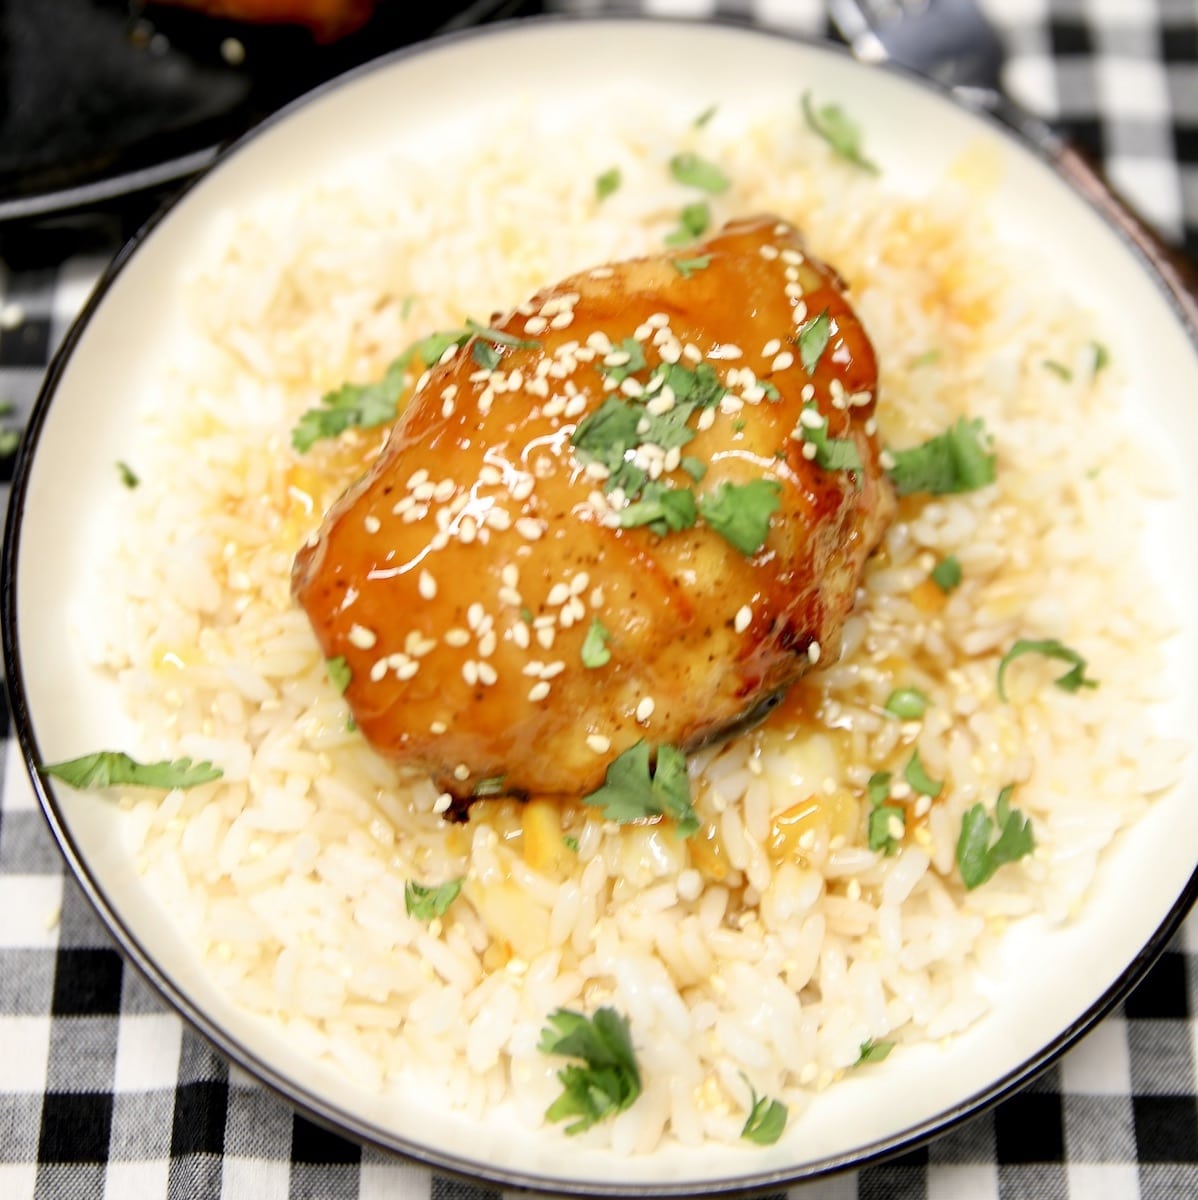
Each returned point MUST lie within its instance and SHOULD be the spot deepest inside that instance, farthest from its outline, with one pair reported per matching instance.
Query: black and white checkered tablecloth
(104, 1093)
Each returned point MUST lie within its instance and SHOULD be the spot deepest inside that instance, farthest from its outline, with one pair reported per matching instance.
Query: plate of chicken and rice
(646, 600)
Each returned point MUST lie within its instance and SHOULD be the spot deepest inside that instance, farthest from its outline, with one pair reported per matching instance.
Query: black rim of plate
(313, 1106)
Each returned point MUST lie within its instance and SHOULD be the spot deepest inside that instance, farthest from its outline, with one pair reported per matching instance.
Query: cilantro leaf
(497, 337)
(491, 786)
(696, 468)
(128, 475)
(766, 1119)
(663, 509)
(977, 857)
(693, 222)
(486, 355)
(686, 267)
(1058, 369)
(1102, 357)
(1071, 681)
(833, 454)
(594, 646)
(362, 405)
(689, 169)
(338, 672)
(946, 574)
(878, 787)
(700, 386)
(570, 842)
(630, 793)
(873, 1052)
(609, 1081)
(919, 779)
(908, 704)
(705, 116)
(607, 183)
(636, 361)
(740, 512)
(881, 830)
(425, 903)
(113, 768)
(840, 131)
(954, 461)
(812, 340)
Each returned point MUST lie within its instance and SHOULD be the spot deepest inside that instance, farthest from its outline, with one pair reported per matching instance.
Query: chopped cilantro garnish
(926, 359)
(919, 779)
(954, 461)
(689, 169)
(977, 858)
(606, 183)
(425, 903)
(878, 787)
(705, 116)
(696, 468)
(686, 267)
(886, 825)
(631, 793)
(700, 386)
(338, 672)
(605, 436)
(486, 355)
(693, 221)
(10, 439)
(499, 338)
(839, 130)
(607, 1083)
(833, 454)
(636, 360)
(1071, 681)
(364, 405)
(594, 646)
(526, 614)
(663, 509)
(766, 1119)
(813, 339)
(873, 1052)
(740, 512)
(491, 786)
(908, 704)
(946, 574)
(405, 309)
(886, 822)
(570, 842)
(128, 475)
(113, 768)
(1102, 356)
(1057, 368)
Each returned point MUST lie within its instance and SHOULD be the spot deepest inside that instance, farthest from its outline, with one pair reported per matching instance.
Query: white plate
(1058, 983)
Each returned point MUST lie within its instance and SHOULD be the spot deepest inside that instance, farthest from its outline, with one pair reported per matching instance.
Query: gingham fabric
(104, 1093)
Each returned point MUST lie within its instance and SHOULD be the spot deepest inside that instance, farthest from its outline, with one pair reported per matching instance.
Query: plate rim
(296, 1094)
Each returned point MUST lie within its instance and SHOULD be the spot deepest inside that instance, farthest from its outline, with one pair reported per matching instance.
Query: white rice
(732, 960)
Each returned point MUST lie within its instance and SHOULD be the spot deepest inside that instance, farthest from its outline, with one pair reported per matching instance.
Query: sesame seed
(530, 528)
(538, 691)
(438, 727)
(598, 743)
(546, 636)
(498, 518)
(448, 354)
(552, 670)
(813, 652)
(461, 771)
(371, 523)
(486, 644)
(520, 635)
(562, 320)
(377, 670)
(793, 291)
(658, 320)
(447, 407)
(442, 803)
(487, 674)
(535, 325)
(417, 478)
(792, 256)
(853, 890)
(744, 618)
(558, 595)
(809, 451)
(427, 585)
(361, 637)
(692, 353)
(644, 710)
(768, 252)
(886, 460)
(871, 427)
(706, 419)
(470, 671)
(580, 583)
(812, 418)
(771, 348)
(456, 637)
(467, 530)
(783, 360)
(510, 596)
(407, 670)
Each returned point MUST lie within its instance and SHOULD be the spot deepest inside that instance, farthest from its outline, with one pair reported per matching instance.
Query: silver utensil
(953, 43)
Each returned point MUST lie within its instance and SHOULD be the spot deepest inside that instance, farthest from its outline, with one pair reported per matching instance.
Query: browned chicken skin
(461, 577)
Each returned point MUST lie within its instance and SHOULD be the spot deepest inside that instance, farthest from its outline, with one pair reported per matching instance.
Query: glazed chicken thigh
(635, 509)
